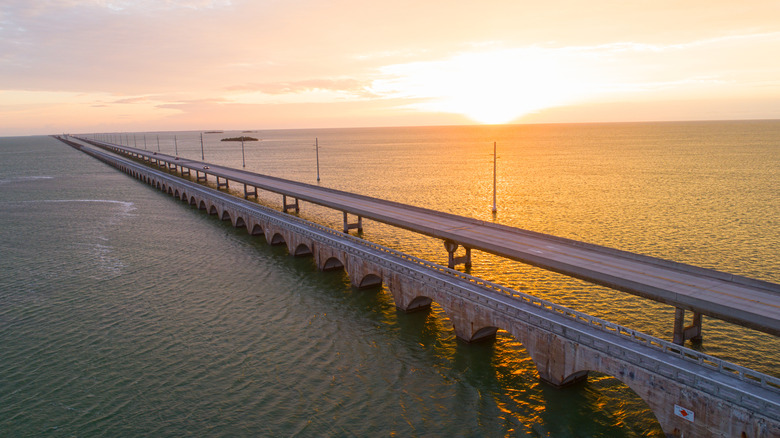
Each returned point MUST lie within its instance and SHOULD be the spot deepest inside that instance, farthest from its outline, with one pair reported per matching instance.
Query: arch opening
(484, 334)
(256, 230)
(620, 402)
(418, 304)
(370, 280)
(213, 210)
(225, 215)
(202, 205)
(302, 250)
(332, 264)
(240, 222)
(277, 239)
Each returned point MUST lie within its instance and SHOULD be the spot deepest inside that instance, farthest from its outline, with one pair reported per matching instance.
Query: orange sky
(139, 65)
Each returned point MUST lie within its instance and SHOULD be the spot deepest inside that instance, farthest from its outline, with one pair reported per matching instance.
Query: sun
(488, 87)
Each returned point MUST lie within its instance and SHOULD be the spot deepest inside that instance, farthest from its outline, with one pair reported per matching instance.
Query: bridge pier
(199, 178)
(682, 333)
(358, 225)
(453, 261)
(247, 193)
(286, 206)
(222, 185)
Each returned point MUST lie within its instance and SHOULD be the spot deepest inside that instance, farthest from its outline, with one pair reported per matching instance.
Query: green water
(124, 312)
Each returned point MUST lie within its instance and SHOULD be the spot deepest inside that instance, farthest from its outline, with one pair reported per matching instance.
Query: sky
(83, 66)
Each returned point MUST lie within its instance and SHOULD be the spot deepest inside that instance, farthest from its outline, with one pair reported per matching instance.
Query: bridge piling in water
(247, 193)
(452, 259)
(682, 333)
(294, 206)
(354, 226)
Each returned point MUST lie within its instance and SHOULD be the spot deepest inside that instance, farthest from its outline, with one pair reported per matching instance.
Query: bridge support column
(682, 333)
(185, 171)
(286, 206)
(222, 185)
(247, 193)
(358, 225)
(453, 261)
(203, 178)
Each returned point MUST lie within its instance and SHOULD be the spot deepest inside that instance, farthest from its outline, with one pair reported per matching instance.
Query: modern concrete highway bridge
(733, 298)
(690, 393)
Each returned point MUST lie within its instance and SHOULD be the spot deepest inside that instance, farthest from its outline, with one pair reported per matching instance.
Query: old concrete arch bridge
(690, 393)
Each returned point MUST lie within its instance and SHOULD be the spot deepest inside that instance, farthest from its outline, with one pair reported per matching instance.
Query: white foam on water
(14, 179)
(127, 206)
(97, 240)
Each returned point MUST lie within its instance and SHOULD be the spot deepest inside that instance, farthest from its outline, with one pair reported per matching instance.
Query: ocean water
(124, 312)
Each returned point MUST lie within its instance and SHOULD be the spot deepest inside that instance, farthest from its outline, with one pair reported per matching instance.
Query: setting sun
(489, 87)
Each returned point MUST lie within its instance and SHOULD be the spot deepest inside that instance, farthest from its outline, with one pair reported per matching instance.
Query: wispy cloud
(346, 85)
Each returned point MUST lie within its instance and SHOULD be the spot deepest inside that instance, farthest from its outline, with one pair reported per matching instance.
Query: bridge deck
(744, 301)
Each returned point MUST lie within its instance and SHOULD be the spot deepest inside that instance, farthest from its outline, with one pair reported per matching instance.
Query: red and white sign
(683, 412)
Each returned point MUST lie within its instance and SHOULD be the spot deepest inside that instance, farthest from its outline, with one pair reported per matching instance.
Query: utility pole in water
(243, 158)
(317, 149)
(494, 178)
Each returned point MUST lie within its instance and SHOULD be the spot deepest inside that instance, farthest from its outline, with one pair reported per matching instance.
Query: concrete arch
(177, 194)
(369, 280)
(255, 230)
(170, 190)
(202, 205)
(193, 201)
(213, 209)
(239, 222)
(417, 304)
(472, 323)
(649, 398)
(225, 215)
(331, 264)
(301, 250)
(276, 239)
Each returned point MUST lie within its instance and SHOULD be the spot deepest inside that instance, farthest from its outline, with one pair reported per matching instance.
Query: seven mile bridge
(737, 299)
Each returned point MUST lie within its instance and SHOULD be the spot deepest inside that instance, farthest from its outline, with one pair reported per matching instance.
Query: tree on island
(239, 139)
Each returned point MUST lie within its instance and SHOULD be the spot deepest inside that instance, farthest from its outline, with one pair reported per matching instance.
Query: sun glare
(489, 87)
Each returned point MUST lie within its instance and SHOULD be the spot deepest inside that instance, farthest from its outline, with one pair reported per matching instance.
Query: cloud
(349, 86)
(140, 99)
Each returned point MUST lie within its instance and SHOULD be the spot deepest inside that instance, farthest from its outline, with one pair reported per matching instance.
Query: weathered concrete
(691, 394)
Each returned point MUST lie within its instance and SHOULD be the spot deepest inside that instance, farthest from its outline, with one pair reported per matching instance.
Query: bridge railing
(710, 362)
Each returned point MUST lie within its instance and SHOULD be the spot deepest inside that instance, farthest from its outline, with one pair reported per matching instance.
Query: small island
(239, 139)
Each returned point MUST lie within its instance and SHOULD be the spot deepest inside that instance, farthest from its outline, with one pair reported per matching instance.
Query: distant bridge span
(740, 300)
(690, 393)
